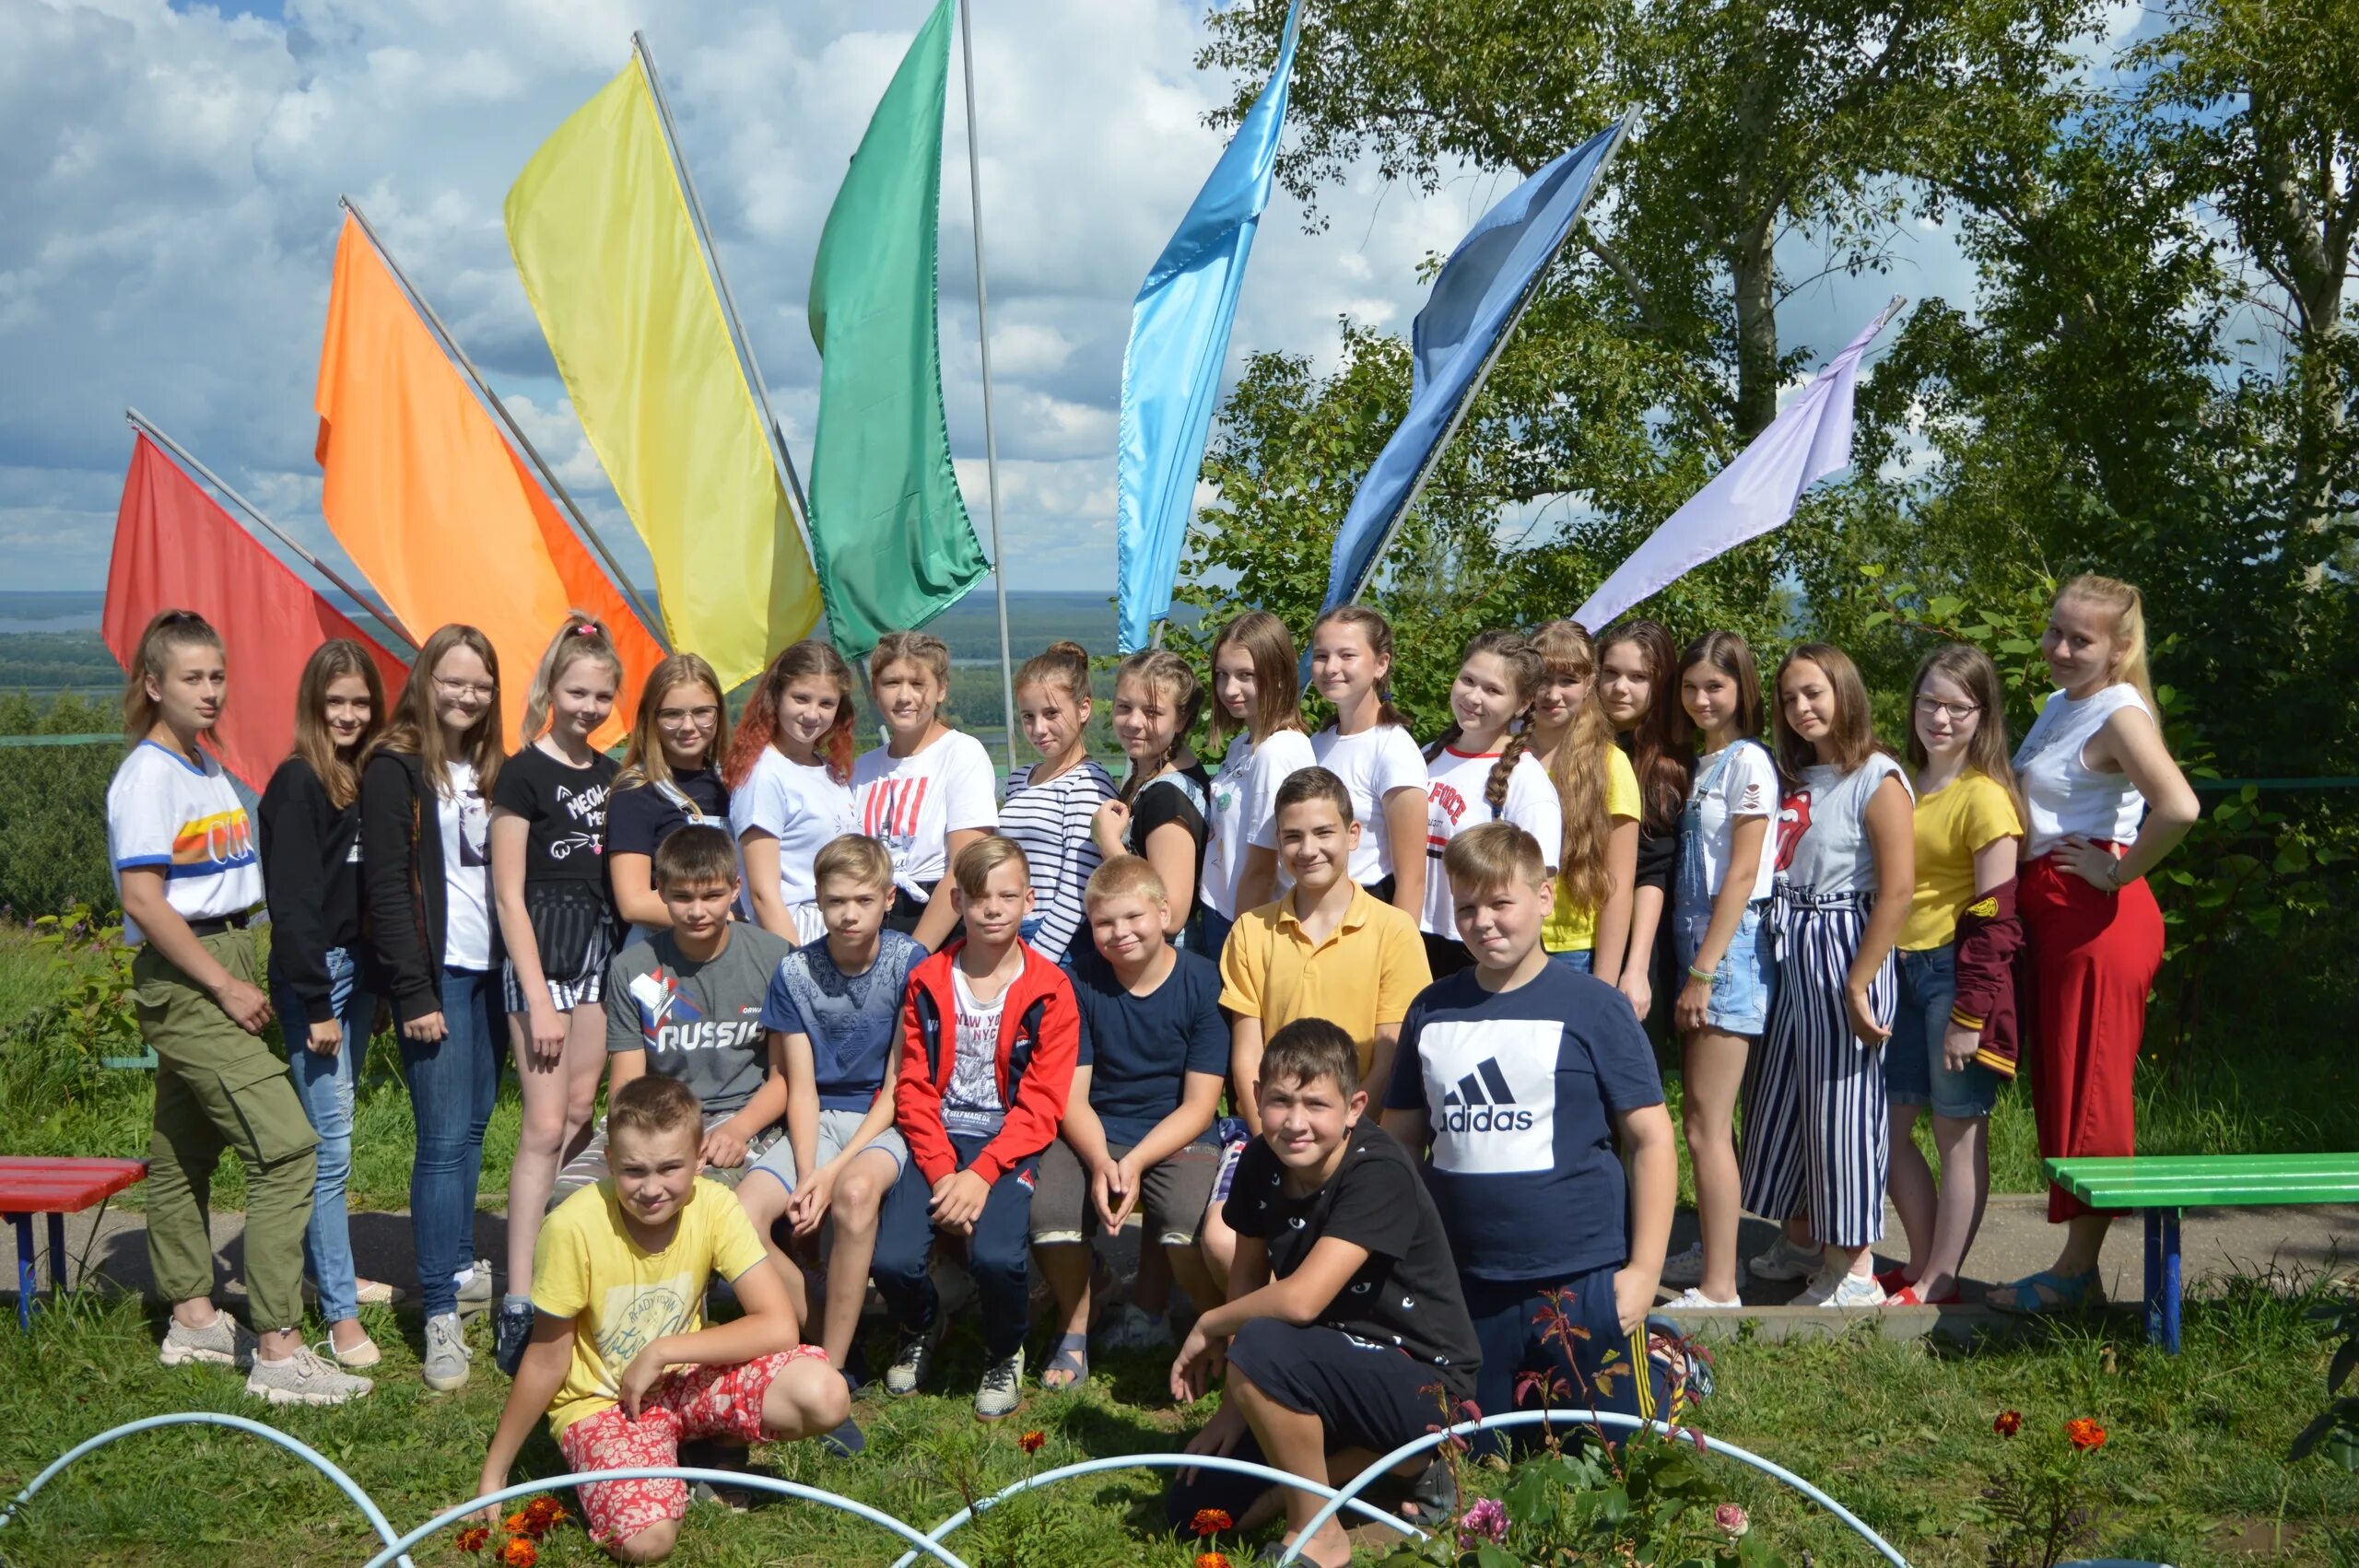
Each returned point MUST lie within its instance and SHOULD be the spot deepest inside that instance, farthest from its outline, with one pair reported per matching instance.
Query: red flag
(176, 549)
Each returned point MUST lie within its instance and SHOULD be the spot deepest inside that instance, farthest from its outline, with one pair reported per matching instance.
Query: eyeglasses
(465, 688)
(702, 717)
(1955, 712)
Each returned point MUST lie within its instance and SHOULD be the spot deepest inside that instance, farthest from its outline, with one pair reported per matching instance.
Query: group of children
(857, 1016)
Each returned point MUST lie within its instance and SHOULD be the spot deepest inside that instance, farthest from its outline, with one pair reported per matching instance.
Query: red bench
(55, 1187)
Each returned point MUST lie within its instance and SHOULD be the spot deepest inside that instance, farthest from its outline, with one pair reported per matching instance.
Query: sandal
(2047, 1292)
(1068, 1365)
(1433, 1499)
(1909, 1295)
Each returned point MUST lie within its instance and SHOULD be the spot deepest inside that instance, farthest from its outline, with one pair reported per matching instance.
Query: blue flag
(1178, 343)
(1473, 300)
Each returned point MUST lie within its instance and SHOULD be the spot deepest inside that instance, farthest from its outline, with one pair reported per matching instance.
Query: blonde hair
(1124, 876)
(169, 630)
(652, 1103)
(924, 650)
(413, 731)
(972, 870)
(1278, 692)
(1850, 739)
(854, 857)
(2128, 607)
(1167, 676)
(330, 662)
(1493, 854)
(1578, 767)
(757, 730)
(644, 761)
(582, 635)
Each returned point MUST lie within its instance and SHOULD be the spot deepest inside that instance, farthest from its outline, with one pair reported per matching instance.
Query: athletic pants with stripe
(1585, 1362)
(1816, 1140)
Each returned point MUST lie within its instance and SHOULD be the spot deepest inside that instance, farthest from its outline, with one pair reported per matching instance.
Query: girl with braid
(1589, 925)
(1160, 814)
(1481, 770)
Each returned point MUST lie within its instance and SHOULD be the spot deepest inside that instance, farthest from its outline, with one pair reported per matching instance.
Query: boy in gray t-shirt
(688, 1003)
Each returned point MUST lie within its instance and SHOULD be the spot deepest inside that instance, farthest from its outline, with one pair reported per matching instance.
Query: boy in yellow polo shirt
(1326, 949)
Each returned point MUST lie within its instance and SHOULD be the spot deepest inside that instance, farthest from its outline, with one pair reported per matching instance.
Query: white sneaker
(1843, 1291)
(304, 1378)
(1784, 1260)
(1003, 1388)
(1694, 1298)
(447, 1355)
(1684, 1267)
(225, 1341)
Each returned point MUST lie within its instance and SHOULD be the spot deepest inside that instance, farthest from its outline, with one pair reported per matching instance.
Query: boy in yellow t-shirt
(620, 1359)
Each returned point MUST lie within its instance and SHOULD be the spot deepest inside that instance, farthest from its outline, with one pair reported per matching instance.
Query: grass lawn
(1898, 1430)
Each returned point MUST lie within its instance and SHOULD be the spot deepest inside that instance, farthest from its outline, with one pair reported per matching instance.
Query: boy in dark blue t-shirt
(1137, 1130)
(1519, 1075)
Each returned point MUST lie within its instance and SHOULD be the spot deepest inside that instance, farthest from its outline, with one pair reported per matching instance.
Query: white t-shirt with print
(1372, 764)
(914, 803)
(1747, 786)
(166, 813)
(971, 1103)
(1823, 829)
(802, 808)
(1457, 785)
(465, 818)
(1245, 810)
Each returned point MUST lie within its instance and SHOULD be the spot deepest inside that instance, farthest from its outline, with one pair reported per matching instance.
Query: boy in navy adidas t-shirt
(1519, 1075)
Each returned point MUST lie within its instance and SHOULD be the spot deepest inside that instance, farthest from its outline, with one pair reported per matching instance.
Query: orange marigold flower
(2086, 1434)
(474, 1537)
(1031, 1442)
(2009, 1423)
(1211, 1560)
(545, 1508)
(1211, 1522)
(519, 1553)
(518, 1522)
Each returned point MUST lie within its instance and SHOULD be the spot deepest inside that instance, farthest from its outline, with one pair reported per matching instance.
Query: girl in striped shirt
(1049, 812)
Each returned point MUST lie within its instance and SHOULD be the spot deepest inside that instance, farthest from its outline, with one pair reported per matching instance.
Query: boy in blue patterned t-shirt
(834, 1008)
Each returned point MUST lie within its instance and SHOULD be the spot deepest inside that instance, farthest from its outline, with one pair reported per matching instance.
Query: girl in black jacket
(425, 867)
(320, 980)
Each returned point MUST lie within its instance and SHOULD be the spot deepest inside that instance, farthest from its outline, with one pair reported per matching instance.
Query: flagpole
(1498, 347)
(983, 336)
(187, 459)
(516, 432)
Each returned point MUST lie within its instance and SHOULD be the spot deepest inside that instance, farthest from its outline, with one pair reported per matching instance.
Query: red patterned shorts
(705, 1401)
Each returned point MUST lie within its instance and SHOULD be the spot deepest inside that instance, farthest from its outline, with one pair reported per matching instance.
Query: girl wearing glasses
(1954, 1038)
(426, 875)
(670, 777)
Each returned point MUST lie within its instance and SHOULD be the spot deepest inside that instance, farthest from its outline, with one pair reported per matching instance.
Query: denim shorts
(1913, 1072)
(1742, 985)
(1575, 958)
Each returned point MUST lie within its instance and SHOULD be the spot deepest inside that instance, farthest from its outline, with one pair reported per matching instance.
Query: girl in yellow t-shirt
(1969, 827)
(1589, 925)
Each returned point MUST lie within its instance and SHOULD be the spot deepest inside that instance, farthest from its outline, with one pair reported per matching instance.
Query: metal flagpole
(739, 337)
(515, 431)
(983, 336)
(1499, 345)
(141, 424)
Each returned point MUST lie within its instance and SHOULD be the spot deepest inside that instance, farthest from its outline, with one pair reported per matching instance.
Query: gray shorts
(1172, 1195)
(836, 1129)
(589, 1166)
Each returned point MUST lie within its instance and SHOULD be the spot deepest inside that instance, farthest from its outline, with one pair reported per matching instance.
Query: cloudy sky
(170, 175)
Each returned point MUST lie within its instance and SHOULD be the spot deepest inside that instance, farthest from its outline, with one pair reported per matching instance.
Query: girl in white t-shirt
(425, 874)
(1255, 700)
(1372, 752)
(1050, 814)
(789, 775)
(1160, 813)
(1816, 1130)
(1481, 770)
(1720, 938)
(929, 791)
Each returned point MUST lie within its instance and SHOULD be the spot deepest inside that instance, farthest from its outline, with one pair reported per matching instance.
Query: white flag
(1809, 438)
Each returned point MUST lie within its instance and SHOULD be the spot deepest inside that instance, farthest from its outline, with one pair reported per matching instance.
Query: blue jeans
(1212, 929)
(325, 1086)
(1914, 1071)
(1574, 958)
(452, 1083)
(999, 1254)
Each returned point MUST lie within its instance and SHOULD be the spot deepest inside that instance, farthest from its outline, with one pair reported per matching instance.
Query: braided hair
(1526, 670)
(1167, 675)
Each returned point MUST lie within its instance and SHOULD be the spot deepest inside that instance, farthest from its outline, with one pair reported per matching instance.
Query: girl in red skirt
(2106, 804)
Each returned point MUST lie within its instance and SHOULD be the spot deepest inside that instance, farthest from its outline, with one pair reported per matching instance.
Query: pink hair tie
(585, 629)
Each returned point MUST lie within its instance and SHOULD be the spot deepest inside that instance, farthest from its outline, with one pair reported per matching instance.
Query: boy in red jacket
(991, 1033)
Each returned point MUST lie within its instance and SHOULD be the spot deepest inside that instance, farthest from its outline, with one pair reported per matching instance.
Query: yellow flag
(601, 232)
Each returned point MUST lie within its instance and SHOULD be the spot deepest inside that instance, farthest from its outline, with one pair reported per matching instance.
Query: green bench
(2162, 1187)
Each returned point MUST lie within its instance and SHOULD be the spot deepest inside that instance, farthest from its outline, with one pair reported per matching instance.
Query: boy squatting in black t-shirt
(1345, 1333)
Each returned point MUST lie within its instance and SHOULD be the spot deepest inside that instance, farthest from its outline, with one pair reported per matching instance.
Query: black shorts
(1370, 1397)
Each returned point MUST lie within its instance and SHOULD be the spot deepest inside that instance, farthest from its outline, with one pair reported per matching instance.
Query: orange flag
(433, 505)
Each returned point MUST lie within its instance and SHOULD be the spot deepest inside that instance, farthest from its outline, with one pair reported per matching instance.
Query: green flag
(894, 542)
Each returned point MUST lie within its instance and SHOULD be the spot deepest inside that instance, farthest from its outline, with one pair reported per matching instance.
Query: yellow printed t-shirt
(586, 1267)
(1953, 823)
(1363, 976)
(1567, 929)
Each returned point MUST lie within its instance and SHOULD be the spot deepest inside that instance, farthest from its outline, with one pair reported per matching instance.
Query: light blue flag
(1178, 343)
(1473, 302)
